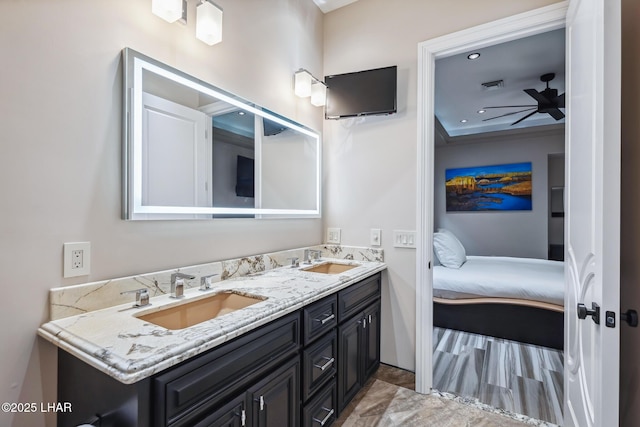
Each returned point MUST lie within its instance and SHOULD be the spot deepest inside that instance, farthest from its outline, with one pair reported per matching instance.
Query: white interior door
(593, 212)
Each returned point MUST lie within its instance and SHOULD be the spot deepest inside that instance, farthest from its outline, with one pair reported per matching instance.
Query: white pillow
(448, 249)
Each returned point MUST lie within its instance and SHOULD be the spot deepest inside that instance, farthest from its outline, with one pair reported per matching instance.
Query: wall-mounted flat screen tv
(244, 177)
(362, 93)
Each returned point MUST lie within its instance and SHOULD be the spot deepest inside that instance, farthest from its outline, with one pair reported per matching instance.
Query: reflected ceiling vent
(494, 85)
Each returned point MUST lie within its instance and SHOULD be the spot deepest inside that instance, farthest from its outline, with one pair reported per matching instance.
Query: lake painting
(489, 188)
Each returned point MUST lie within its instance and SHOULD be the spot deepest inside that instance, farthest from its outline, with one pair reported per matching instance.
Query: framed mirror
(194, 151)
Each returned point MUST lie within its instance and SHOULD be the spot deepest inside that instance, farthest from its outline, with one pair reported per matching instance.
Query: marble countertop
(129, 349)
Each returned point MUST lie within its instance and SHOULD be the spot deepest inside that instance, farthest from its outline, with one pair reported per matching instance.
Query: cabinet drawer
(233, 414)
(355, 298)
(319, 318)
(322, 410)
(320, 362)
(193, 389)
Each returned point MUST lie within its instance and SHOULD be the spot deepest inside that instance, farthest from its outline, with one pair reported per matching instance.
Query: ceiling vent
(494, 85)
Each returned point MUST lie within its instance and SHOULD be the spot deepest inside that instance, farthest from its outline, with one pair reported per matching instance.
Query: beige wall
(630, 225)
(60, 96)
(370, 164)
(513, 233)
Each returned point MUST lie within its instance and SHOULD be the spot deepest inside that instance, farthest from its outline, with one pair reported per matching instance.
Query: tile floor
(482, 381)
(517, 377)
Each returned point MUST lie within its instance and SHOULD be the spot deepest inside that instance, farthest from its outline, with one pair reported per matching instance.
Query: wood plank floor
(517, 377)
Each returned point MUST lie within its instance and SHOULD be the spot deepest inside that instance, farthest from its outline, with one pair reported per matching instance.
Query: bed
(519, 299)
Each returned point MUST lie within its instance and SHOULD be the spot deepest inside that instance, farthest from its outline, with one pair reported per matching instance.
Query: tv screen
(361, 93)
(244, 177)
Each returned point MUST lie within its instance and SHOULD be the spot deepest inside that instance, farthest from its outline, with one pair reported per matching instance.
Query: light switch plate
(333, 235)
(376, 237)
(77, 259)
(404, 239)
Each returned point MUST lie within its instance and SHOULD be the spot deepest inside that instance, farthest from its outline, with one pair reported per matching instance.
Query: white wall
(60, 113)
(512, 233)
(370, 165)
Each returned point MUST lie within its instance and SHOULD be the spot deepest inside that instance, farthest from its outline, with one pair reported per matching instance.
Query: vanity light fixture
(318, 93)
(170, 10)
(302, 80)
(305, 85)
(209, 23)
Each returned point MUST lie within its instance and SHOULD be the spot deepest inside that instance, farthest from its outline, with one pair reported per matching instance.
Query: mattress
(502, 277)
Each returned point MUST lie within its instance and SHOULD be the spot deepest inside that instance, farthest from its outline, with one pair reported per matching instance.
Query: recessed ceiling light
(473, 56)
(463, 121)
(241, 113)
(482, 111)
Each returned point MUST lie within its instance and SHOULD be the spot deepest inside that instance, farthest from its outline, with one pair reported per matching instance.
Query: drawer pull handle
(324, 421)
(326, 365)
(326, 319)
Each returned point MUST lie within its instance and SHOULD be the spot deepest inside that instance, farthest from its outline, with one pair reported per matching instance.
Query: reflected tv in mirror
(245, 177)
(363, 93)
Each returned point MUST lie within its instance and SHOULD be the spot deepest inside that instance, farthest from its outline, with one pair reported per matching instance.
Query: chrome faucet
(205, 282)
(311, 255)
(142, 296)
(177, 284)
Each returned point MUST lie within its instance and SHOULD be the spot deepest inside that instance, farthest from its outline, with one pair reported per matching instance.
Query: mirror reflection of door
(175, 152)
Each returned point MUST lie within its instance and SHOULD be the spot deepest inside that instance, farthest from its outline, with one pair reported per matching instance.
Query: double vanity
(280, 345)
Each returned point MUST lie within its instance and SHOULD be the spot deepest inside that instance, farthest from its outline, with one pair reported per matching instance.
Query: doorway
(515, 27)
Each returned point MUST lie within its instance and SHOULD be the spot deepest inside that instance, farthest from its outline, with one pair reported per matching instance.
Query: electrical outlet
(376, 237)
(333, 235)
(77, 259)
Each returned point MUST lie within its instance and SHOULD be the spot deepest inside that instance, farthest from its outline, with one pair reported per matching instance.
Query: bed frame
(521, 320)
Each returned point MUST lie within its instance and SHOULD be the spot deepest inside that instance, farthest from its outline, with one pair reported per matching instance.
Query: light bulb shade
(302, 83)
(318, 94)
(169, 10)
(209, 23)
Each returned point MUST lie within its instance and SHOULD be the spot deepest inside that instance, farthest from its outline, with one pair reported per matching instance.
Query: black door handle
(583, 312)
(631, 317)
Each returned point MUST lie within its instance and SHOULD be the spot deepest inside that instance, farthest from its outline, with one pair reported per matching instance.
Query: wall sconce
(208, 17)
(170, 10)
(305, 85)
(318, 94)
(209, 23)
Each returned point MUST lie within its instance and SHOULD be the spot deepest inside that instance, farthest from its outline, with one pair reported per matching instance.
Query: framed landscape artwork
(489, 188)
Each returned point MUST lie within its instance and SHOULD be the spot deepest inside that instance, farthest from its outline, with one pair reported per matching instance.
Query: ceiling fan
(548, 102)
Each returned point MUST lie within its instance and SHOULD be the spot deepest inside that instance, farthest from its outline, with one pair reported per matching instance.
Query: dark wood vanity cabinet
(358, 339)
(298, 370)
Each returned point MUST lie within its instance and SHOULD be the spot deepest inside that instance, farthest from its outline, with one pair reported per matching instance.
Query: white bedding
(505, 277)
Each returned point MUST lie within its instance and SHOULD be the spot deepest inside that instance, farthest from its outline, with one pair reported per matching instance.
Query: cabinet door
(275, 401)
(231, 415)
(371, 335)
(349, 360)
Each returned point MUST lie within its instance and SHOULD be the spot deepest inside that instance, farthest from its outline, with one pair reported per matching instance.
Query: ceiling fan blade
(525, 117)
(559, 101)
(537, 96)
(509, 114)
(510, 106)
(555, 113)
